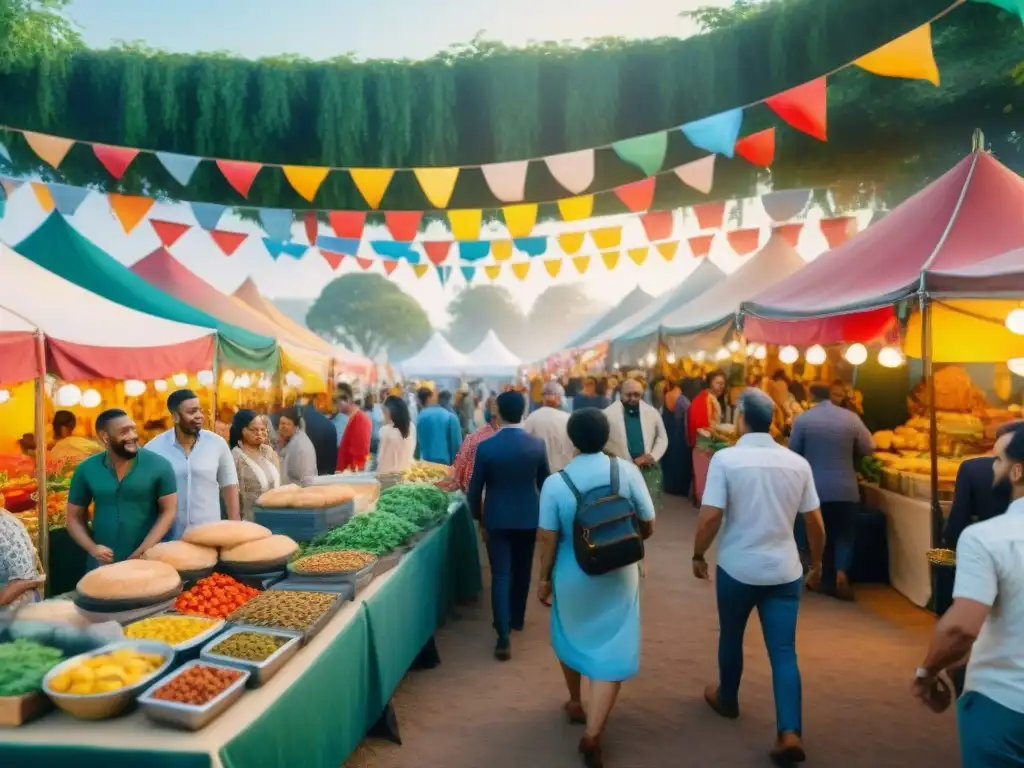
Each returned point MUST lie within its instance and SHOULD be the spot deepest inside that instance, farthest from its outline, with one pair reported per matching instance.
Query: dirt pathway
(857, 661)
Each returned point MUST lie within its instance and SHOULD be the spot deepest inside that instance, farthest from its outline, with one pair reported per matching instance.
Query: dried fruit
(296, 611)
(336, 561)
(250, 646)
(197, 685)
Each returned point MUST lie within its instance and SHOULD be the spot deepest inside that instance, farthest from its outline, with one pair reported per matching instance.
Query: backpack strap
(615, 476)
(572, 486)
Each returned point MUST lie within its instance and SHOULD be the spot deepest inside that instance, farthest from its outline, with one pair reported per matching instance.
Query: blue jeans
(840, 519)
(777, 608)
(510, 552)
(991, 736)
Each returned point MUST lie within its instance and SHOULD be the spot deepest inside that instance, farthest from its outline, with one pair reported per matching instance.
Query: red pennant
(390, 265)
(789, 232)
(312, 226)
(838, 230)
(658, 225)
(239, 174)
(701, 245)
(403, 224)
(347, 223)
(758, 148)
(637, 196)
(364, 263)
(332, 258)
(228, 242)
(115, 159)
(743, 241)
(804, 107)
(710, 215)
(168, 231)
(437, 251)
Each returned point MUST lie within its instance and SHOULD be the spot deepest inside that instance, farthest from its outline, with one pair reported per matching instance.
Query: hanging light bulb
(160, 385)
(701, 356)
(205, 378)
(815, 355)
(91, 398)
(760, 352)
(134, 388)
(180, 379)
(733, 346)
(751, 349)
(722, 354)
(670, 358)
(616, 366)
(856, 354)
(4, 396)
(69, 395)
(1016, 366)
(651, 359)
(1015, 321)
(890, 357)
(236, 384)
(228, 376)
(264, 383)
(789, 355)
(244, 380)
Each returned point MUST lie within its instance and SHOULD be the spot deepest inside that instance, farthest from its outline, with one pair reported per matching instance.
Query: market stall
(491, 360)
(595, 331)
(438, 359)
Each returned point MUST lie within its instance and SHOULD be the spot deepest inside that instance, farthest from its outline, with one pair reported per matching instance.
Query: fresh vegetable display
(107, 672)
(215, 596)
(333, 561)
(198, 685)
(250, 646)
(23, 665)
(296, 611)
(421, 504)
(172, 630)
(376, 532)
(871, 469)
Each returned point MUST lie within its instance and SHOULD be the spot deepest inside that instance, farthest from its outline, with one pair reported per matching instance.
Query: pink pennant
(332, 258)
(790, 232)
(658, 225)
(403, 225)
(743, 241)
(701, 245)
(507, 181)
(115, 159)
(390, 265)
(348, 224)
(228, 242)
(637, 196)
(700, 174)
(837, 230)
(710, 215)
(573, 170)
(168, 231)
(437, 251)
(239, 174)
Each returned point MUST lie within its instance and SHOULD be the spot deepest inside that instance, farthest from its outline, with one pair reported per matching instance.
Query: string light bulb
(789, 355)
(890, 357)
(91, 398)
(760, 352)
(733, 346)
(723, 354)
(160, 385)
(68, 396)
(1016, 366)
(815, 355)
(205, 378)
(5, 396)
(856, 354)
(134, 388)
(180, 379)
(1015, 321)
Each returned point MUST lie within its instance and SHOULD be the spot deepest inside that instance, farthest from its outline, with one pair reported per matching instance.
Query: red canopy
(998, 277)
(972, 213)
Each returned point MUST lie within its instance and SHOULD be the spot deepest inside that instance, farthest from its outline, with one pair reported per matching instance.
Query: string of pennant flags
(804, 108)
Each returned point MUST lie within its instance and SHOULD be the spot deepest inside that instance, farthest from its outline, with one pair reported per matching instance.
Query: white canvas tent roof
(492, 358)
(594, 331)
(436, 358)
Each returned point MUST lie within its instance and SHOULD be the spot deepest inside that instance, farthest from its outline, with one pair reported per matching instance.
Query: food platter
(259, 671)
(187, 716)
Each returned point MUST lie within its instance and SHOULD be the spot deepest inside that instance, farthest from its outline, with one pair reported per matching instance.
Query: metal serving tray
(259, 671)
(345, 589)
(319, 624)
(186, 716)
(193, 644)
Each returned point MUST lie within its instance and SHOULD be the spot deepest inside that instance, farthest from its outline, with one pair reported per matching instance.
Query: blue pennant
(276, 248)
(181, 167)
(66, 198)
(4, 153)
(277, 223)
(474, 250)
(717, 133)
(467, 273)
(208, 214)
(531, 246)
(394, 249)
(346, 245)
(443, 273)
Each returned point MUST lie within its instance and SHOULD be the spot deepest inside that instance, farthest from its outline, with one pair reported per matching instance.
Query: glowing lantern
(789, 355)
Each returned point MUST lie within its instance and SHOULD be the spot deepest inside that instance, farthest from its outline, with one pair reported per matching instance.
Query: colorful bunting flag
(576, 208)
(573, 170)
(365, 264)
(699, 174)
(4, 152)
(668, 250)
(492, 271)
(758, 148)
(391, 266)
(169, 232)
(710, 215)
(312, 226)
(610, 259)
(658, 225)
(465, 223)
(180, 167)
(716, 134)
(804, 107)
(502, 249)
(372, 183)
(66, 198)
(396, 249)
(522, 269)
(11, 186)
(207, 214)
(474, 250)
(789, 232)
(420, 269)
(276, 249)
(606, 237)
(520, 219)
(240, 174)
(646, 152)
(785, 204)
(553, 266)
(837, 230)
(582, 263)
(346, 246)
(571, 242)
(700, 245)
(305, 179)
(347, 223)
(129, 209)
(638, 255)
(115, 159)
(51, 149)
(910, 56)
(437, 251)
(437, 184)
(43, 195)
(443, 273)
(507, 181)
(744, 241)
(228, 242)
(403, 225)
(637, 196)
(334, 259)
(276, 222)
(532, 246)
(467, 273)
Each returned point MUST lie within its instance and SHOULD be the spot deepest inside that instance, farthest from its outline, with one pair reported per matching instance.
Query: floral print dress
(17, 557)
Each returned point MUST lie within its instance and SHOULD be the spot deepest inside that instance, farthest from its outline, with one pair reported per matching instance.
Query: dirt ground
(857, 661)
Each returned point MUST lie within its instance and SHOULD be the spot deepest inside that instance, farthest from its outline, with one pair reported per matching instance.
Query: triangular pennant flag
(115, 159)
(51, 149)
(346, 246)
(553, 266)
(576, 208)
(789, 232)
(372, 183)
(437, 184)
(395, 249)
(646, 152)
(571, 242)
(610, 259)
(522, 269)
(180, 167)
(573, 170)
(420, 269)
(637, 196)
(347, 223)
(305, 179)
(229, 242)
(443, 273)
(532, 246)
(169, 232)
(804, 107)
(277, 223)
(11, 186)
(717, 133)
(437, 250)
(465, 223)
(837, 230)
(403, 225)
(669, 250)
(207, 214)
(638, 255)
(785, 204)
(474, 250)
(43, 195)
(312, 226)
(467, 273)
(710, 215)
(1016, 7)
(910, 56)
(743, 241)
(758, 148)
(67, 199)
(365, 264)
(130, 209)
(389, 266)
(606, 237)
(507, 181)
(700, 245)
(699, 174)
(501, 250)
(333, 259)
(492, 271)
(520, 219)
(582, 263)
(4, 152)
(658, 225)
(240, 174)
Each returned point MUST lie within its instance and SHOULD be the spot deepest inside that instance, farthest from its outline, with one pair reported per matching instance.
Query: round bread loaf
(182, 556)
(130, 580)
(63, 612)
(225, 533)
(280, 498)
(272, 549)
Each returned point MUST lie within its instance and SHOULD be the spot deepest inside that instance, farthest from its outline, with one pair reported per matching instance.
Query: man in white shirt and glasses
(754, 492)
(551, 424)
(986, 623)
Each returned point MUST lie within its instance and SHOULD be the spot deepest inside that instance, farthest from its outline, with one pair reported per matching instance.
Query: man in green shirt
(134, 493)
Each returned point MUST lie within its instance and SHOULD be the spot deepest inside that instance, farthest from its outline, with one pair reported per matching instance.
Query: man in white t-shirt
(754, 492)
(986, 622)
(551, 424)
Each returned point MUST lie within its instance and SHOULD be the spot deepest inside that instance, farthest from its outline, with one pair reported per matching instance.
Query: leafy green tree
(477, 309)
(556, 314)
(370, 314)
(32, 31)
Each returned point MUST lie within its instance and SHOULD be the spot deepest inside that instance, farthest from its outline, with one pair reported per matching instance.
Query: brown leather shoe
(590, 748)
(843, 589)
(574, 711)
(789, 749)
(722, 710)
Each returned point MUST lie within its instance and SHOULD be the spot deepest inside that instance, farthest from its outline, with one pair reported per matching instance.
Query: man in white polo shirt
(986, 621)
(754, 492)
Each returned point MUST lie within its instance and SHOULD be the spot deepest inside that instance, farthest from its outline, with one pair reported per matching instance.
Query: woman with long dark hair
(397, 437)
(255, 461)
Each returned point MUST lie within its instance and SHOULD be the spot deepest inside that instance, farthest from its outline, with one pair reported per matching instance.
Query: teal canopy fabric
(58, 247)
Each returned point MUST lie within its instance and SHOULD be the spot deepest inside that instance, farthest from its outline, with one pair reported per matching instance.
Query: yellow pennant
(606, 237)
(492, 271)
(571, 242)
(437, 184)
(638, 255)
(521, 270)
(43, 196)
(610, 258)
(501, 250)
(305, 179)
(910, 56)
(520, 218)
(372, 183)
(582, 263)
(420, 269)
(668, 250)
(51, 149)
(130, 209)
(465, 223)
(576, 208)
(553, 266)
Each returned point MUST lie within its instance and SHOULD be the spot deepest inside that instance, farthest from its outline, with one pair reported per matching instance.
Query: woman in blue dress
(595, 620)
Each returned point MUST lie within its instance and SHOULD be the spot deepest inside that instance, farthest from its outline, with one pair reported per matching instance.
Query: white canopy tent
(437, 358)
(492, 359)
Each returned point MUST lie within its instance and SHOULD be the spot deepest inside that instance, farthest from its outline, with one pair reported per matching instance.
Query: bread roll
(277, 498)
(225, 533)
(273, 548)
(130, 580)
(182, 556)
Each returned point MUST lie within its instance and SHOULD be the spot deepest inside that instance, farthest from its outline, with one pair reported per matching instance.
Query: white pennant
(573, 170)
(700, 174)
(507, 181)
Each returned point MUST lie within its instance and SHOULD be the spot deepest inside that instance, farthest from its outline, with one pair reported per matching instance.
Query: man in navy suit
(510, 469)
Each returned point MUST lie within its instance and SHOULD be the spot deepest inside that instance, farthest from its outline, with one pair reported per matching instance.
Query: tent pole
(927, 340)
(40, 436)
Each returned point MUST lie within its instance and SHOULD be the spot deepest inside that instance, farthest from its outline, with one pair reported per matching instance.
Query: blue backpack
(606, 531)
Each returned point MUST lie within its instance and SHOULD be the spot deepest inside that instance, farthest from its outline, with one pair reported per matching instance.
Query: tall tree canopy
(370, 314)
(35, 33)
(477, 309)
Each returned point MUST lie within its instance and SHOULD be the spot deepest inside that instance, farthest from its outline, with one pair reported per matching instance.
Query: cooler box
(303, 524)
